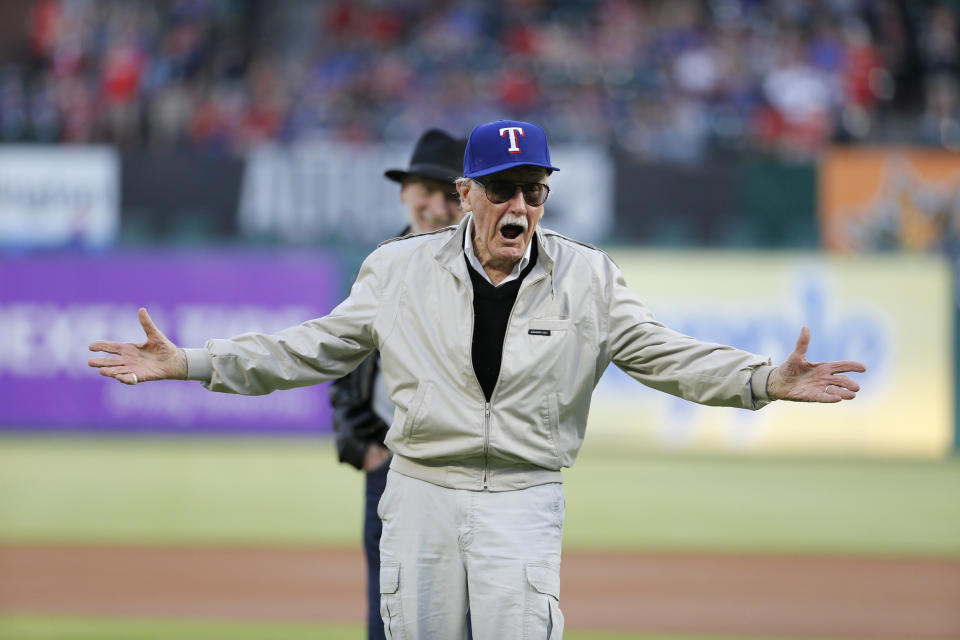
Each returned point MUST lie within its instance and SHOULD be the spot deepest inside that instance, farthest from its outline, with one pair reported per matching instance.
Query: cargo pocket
(390, 600)
(542, 619)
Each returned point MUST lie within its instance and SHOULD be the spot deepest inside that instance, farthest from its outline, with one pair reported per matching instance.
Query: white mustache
(512, 218)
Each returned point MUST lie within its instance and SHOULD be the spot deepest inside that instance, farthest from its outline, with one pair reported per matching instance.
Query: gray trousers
(446, 550)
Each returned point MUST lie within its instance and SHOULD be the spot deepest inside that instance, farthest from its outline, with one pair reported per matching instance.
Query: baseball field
(259, 538)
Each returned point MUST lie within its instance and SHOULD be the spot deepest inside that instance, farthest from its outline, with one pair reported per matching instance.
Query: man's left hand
(800, 380)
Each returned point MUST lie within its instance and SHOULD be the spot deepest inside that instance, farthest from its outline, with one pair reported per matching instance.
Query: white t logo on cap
(513, 131)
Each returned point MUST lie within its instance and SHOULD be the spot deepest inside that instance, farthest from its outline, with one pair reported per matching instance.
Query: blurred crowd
(663, 79)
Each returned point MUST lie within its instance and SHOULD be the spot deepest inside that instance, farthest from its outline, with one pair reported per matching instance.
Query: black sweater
(491, 312)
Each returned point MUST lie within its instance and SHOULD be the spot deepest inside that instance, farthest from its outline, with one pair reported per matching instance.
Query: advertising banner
(657, 203)
(328, 191)
(889, 198)
(738, 203)
(54, 196)
(52, 308)
(178, 196)
(890, 312)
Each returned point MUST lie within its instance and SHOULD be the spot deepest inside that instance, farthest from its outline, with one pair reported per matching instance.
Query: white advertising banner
(56, 196)
(893, 313)
(328, 191)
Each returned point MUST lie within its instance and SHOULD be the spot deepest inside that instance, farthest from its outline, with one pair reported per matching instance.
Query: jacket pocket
(542, 325)
(542, 619)
(390, 610)
(550, 415)
(417, 409)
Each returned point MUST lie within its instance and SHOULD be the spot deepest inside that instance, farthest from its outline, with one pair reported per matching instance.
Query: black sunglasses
(500, 191)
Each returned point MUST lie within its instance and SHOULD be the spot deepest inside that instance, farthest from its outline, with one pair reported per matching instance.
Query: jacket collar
(450, 253)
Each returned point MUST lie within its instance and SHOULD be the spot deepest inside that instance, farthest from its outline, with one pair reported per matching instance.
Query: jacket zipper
(486, 405)
(486, 439)
(526, 284)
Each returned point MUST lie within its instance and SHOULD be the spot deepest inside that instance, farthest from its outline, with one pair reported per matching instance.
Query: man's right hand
(800, 380)
(375, 457)
(155, 359)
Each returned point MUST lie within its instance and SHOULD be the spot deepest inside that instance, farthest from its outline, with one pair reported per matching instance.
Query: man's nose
(437, 203)
(517, 203)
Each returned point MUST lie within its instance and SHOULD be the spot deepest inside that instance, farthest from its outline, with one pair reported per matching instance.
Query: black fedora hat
(437, 155)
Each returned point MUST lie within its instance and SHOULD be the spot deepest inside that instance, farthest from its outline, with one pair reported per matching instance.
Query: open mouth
(511, 226)
(511, 231)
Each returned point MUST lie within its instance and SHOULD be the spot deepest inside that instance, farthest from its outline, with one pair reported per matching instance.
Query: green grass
(70, 628)
(763, 505)
(292, 491)
(57, 628)
(233, 491)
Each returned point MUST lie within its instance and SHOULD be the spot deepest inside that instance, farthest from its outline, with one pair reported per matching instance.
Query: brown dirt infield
(673, 593)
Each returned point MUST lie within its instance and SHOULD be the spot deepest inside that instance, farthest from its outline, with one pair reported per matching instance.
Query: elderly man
(362, 411)
(492, 337)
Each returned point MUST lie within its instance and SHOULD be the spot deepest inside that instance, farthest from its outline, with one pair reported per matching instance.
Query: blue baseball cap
(504, 144)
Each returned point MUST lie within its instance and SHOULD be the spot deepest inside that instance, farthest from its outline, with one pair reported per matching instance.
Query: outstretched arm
(800, 380)
(155, 359)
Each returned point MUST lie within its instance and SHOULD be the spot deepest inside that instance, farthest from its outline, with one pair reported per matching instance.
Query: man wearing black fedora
(427, 185)
(362, 410)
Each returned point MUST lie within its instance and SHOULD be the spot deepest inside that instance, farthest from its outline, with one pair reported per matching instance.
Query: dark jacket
(355, 425)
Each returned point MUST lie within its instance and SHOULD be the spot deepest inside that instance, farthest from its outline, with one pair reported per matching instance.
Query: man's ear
(463, 188)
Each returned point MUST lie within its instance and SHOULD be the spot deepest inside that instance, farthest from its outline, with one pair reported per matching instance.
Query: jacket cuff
(758, 383)
(199, 366)
(352, 451)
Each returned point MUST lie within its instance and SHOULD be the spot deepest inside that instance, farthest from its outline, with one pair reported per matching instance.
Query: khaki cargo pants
(444, 550)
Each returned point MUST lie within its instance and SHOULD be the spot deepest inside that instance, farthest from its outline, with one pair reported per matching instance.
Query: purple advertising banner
(52, 307)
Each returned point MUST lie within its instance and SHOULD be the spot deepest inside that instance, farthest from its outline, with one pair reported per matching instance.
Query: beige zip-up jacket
(413, 301)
